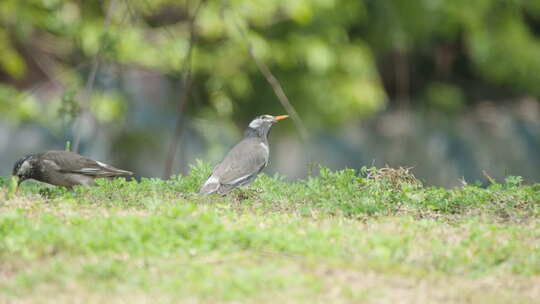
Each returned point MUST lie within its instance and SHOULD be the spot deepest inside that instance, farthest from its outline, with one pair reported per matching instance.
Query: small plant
(514, 181)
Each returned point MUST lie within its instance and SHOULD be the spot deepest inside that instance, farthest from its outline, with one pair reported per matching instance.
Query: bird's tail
(114, 172)
(124, 172)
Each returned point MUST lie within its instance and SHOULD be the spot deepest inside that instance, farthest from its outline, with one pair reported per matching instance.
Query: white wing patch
(212, 180)
(89, 170)
(238, 180)
(102, 164)
(210, 186)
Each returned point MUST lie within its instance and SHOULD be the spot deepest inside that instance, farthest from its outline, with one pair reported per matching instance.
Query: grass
(373, 236)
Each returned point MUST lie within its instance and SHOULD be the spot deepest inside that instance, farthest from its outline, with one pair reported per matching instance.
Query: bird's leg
(242, 194)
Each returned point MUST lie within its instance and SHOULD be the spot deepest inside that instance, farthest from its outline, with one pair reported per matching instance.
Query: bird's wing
(248, 157)
(69, 162)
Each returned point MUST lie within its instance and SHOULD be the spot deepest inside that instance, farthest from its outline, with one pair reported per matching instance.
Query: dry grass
(394, 177)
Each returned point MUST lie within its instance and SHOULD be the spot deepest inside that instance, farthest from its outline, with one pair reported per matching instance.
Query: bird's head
(24, 168)
(261, 125)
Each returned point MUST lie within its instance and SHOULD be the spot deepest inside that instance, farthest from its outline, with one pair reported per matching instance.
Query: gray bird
(244, 162)
(63, 168)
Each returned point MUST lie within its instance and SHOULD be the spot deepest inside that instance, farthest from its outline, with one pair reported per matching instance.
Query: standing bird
(242, 164)
(63, 168)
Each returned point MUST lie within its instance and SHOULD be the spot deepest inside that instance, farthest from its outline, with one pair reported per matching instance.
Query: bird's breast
(266, 152)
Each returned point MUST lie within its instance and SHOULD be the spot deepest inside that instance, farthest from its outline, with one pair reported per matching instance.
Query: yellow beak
(281, 117)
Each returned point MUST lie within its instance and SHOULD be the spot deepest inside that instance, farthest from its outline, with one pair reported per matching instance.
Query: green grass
(371, 236)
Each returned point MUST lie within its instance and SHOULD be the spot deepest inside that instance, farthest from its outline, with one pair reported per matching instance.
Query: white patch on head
(24, 168)
(255, 123)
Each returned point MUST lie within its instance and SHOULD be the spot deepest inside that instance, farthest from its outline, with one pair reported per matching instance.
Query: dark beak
(280, 117)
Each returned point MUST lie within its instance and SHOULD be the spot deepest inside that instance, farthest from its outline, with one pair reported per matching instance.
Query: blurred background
(450, 88)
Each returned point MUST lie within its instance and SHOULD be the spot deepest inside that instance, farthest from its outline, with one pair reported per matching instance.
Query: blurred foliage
(445, 97)
(15, 106)
(108, 107)
(336, 59)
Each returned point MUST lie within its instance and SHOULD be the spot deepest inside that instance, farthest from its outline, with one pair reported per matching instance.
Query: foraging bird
(244, 162)
(63, 168)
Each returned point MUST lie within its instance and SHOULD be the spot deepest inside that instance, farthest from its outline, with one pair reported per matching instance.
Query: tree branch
(187, 84)
(276, 86)
(91, 80)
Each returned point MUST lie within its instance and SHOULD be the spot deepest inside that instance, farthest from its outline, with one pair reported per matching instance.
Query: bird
(245, 160)
(63, 168)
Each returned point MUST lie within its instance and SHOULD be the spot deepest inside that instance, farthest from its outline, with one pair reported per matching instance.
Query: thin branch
(278, 90)
(91, 80)
(187, 85)
(489, 178)
(54, 78)
(401, 70)
(46, 65)
(276, 85)
(177, 134)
